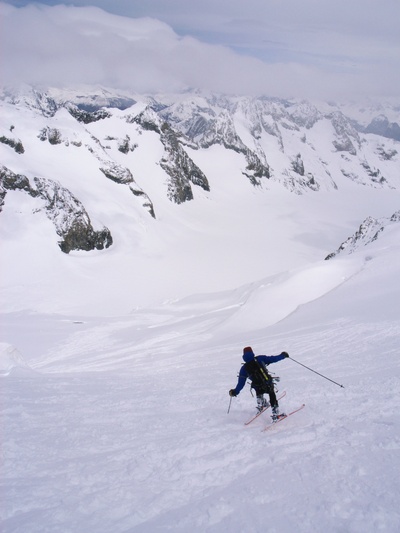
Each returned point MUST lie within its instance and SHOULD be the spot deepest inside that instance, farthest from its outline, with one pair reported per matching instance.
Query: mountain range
(79, 157)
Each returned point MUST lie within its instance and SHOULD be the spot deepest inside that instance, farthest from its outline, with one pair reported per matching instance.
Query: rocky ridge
(180, 168)
(368, 232)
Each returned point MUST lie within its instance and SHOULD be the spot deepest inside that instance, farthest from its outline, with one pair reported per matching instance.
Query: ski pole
(229, 408)
(315, 372)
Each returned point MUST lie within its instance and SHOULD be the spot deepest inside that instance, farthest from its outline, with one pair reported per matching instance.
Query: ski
(283, 418)
(263, 411)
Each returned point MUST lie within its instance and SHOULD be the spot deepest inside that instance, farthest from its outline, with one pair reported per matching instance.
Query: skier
(255, 369)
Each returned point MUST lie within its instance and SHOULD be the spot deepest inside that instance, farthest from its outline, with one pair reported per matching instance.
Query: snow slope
(121, 424)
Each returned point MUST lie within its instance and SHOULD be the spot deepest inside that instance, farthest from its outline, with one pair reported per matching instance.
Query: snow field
(154, 448)
(147, 444)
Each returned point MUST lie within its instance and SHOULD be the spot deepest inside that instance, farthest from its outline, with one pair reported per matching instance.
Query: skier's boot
(261, 403)
(275, 414)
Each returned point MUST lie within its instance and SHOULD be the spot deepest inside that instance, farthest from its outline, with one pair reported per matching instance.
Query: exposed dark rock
(346, 134)
(70, 219)
(221, 130)
(375, 174)
(53, 135)
(123, 176)
(344, 145)
(146, 203)
(13, 182)
(180, 167)
(116, 172)
(81, 236)
(312, 183)
(3, 193)
(386, 154)
(177, 164)
(298, 165)
(255, 169)
(298, 183)
(14, 143)
(197, 127)
(86, 116)
(210, 129)
(125, 146)
(147, 119)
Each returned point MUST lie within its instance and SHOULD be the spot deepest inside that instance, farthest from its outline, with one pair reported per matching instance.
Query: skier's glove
(232, 392)
(285, 354)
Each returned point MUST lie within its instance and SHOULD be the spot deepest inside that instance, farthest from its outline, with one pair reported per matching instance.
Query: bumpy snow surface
(121, 424)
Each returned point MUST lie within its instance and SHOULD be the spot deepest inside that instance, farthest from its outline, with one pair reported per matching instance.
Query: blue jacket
(243, 374)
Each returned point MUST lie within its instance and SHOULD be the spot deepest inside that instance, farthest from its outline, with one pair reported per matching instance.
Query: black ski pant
(270, 391)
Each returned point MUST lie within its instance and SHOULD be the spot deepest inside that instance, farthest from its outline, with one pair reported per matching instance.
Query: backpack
(261, 381)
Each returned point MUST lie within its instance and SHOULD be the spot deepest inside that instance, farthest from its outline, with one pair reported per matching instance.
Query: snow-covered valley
(116, 362)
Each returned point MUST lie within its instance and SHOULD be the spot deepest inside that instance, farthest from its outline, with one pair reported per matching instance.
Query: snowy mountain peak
(368, 232)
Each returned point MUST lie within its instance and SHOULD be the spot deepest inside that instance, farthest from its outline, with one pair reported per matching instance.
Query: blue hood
(248, 354)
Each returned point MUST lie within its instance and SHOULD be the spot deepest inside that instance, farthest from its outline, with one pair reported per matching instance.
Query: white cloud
(323, 55)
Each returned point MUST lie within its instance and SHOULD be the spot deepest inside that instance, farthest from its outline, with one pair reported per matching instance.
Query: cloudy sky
(306, 48)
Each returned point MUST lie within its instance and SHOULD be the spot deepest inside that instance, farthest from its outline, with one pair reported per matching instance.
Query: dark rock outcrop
(123, 176)
(180, 168)
(298, 165)
(16, 144)
(53, 135)
(347, 137)
(87, 117)
(71, 221)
